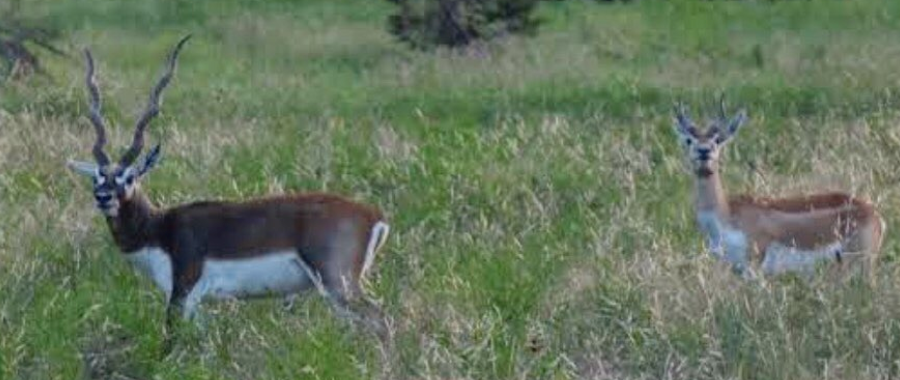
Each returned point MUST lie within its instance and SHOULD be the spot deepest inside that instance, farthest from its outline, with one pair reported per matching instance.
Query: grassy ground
(541, 215)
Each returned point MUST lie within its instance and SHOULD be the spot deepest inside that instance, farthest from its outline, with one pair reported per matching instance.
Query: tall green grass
(540, 211)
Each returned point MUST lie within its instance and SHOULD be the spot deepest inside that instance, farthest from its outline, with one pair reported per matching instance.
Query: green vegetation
(540, 211)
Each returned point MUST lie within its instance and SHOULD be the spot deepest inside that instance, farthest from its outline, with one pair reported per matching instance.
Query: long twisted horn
(96, 119)
(137, 144)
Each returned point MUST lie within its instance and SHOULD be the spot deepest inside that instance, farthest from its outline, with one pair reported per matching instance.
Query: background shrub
(18, 38)
(431, 23)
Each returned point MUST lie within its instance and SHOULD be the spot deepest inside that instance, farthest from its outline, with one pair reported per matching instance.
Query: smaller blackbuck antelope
(278, 245)
(773, 236)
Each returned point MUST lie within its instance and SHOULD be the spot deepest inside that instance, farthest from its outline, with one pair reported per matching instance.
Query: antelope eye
(688, 142)
(129, 180)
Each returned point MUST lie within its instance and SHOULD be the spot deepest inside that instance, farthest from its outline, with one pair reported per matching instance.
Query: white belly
(154, 263)
(273, 274)
(782, 259)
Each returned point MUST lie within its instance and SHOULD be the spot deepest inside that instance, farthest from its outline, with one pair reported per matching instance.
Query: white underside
(731, 245)
(276, 273)
(781, 259)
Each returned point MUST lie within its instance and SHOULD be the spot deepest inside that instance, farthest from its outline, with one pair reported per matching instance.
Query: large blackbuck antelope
(278, 245)
(773, 235)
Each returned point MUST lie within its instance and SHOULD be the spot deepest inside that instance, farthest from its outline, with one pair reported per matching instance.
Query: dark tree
(19, 39)
(429, 23)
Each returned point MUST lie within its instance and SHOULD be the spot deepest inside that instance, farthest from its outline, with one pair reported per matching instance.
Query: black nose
(104, 198)
(703, 153)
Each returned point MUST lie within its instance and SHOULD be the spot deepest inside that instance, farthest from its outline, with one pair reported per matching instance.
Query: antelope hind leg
(337, 295)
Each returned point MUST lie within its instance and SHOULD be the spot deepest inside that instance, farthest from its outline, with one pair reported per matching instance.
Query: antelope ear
(733, 125)
(88, 169)
(683, 125)
(736, 122)
(680, 130)
(150, 160)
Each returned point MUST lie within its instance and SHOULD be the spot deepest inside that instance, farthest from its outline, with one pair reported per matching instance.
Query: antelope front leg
(173, 314)
(180, 308)
(734, 258)
(184, 300)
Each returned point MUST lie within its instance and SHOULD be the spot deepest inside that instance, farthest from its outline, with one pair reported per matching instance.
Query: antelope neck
(136, 224)
(710, 196)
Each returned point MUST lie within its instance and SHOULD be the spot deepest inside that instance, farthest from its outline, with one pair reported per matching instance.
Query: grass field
(541, 213)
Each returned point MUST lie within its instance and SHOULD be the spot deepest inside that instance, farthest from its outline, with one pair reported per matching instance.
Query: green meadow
(541, 212)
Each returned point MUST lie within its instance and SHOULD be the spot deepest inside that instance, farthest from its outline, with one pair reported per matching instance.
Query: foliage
(18, 38)
(455, 23)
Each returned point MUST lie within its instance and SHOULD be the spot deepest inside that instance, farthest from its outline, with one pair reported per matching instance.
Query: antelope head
(703, 148)
(116, 182)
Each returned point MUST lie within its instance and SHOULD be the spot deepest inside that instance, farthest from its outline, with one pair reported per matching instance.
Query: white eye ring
(126, 174)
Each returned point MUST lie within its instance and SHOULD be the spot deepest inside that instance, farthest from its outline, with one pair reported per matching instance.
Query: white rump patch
(377, 238)
(154, 263)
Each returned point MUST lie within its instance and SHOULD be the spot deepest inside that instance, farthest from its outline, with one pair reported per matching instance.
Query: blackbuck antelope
(278, 245)
(773, 236)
